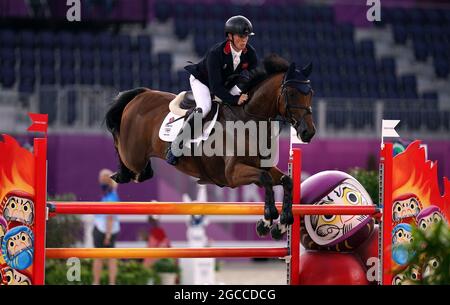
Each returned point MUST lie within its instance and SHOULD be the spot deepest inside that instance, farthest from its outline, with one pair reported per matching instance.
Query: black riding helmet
(239, 25)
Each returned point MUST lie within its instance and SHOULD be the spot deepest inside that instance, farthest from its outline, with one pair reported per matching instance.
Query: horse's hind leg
(123, 174)
(146, 173)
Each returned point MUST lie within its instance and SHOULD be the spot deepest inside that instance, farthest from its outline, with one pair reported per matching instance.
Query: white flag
(388, 128)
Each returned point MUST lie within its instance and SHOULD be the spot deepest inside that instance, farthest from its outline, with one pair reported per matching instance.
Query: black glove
(231, 80)
(243, 80)
(244, 76)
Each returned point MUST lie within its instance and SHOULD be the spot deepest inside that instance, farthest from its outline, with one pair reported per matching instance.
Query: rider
(221, 72)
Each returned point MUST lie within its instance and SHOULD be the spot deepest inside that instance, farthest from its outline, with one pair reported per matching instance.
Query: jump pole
(292, 252)
(384, 238)
(203, 208)
(133, 253)
(293, 238)
(40, 186)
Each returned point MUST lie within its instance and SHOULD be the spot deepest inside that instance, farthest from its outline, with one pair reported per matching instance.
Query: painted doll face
(14, 277)
(429, 216)
(426, 222)
(398, 279)
(402, 235)
(17, 247)
(405, 207)
(19, 209)
(18, 243)
(431, 266)
(332, 229)
(410, 276)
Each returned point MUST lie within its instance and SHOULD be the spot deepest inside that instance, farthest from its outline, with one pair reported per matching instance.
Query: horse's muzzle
(305, 133)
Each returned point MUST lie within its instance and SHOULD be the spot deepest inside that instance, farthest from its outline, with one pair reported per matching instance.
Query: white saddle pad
(169, 129)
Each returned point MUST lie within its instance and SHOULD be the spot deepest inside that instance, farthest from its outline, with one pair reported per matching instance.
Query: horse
(279, 91)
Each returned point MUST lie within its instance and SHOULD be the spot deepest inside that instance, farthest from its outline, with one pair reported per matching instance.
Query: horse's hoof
(287, 218)
(262, 227)
(277, 231)
(117, 177)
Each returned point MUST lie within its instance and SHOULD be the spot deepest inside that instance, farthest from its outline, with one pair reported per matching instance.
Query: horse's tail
(114, 113)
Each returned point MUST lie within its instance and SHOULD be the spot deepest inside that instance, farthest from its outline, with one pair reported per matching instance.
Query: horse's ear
(306, 71)
(291, 68)
(290, 71)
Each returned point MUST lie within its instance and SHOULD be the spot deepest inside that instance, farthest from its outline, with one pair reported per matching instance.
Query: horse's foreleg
(242, 174)
(286, 218)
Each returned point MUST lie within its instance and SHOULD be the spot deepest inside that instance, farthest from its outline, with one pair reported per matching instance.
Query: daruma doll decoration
(334, 232)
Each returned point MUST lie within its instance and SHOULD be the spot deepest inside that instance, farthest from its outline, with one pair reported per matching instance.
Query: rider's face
(240, 41)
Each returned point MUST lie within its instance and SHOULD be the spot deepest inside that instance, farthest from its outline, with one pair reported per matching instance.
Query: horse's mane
(272, 64)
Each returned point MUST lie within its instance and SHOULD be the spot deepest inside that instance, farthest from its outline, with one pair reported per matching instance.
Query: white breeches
(202, 95)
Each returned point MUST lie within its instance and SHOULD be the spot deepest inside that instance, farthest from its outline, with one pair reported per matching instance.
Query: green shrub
(62, 233)
(130, 272)
(166, 265)
(369, 180)
(432, 245)
(61, 228)
(56, 272)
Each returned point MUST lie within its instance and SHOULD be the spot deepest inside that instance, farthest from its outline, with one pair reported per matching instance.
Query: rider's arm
(215, 80)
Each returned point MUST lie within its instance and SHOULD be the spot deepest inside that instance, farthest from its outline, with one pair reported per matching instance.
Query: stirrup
(170, 157)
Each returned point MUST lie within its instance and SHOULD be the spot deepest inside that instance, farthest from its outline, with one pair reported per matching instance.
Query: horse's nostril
(306, 135)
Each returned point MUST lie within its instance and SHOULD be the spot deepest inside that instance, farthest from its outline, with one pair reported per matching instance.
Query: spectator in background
(157, 238)
(106, 227)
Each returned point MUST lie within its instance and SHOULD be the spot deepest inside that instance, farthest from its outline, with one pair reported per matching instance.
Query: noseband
(288, 115)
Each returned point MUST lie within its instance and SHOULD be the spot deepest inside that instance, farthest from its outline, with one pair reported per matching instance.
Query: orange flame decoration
(412, 173)
(16, 167)
(16, 171)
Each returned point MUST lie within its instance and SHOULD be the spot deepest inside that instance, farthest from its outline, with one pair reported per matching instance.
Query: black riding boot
(170, 157)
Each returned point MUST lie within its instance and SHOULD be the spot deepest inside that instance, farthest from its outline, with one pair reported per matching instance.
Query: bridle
(288, 117)
(288, 114)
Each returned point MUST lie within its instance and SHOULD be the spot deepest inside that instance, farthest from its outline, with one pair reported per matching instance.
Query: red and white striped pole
(294, 236)
(40, 123)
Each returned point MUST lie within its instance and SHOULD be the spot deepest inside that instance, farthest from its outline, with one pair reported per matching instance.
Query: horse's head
(296, 101)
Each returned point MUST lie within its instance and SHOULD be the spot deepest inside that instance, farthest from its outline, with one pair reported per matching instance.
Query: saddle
(185, 103)
(180, 108)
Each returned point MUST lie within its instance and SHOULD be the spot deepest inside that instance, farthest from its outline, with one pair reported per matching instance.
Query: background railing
(82, 109)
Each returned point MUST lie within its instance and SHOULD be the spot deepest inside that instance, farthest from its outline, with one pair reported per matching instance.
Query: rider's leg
(202, 98)
(171, 158)
(202, 95)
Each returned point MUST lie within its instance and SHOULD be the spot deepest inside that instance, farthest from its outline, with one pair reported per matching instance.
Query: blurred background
(397, 68)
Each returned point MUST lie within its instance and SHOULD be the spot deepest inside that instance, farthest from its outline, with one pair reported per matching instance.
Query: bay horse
(278, 91)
